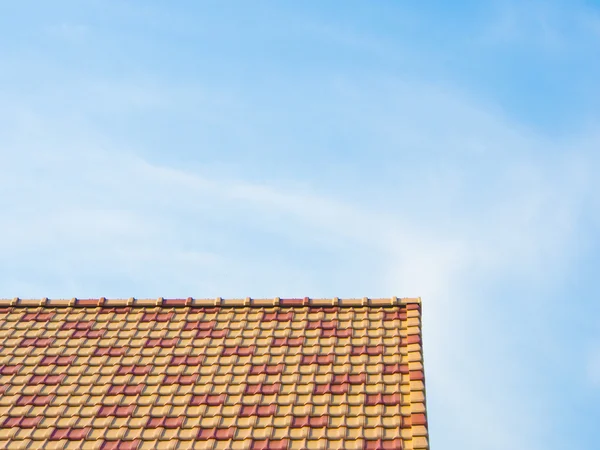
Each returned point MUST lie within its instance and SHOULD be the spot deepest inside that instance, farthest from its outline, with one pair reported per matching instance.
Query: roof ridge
(204, 302)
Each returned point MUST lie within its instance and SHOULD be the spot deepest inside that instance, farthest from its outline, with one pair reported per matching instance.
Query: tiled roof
(212, 374)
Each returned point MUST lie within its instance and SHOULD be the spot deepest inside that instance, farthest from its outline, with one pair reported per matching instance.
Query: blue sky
(327, 149)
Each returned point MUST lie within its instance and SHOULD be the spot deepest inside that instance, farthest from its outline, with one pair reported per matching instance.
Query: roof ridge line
(207, 302)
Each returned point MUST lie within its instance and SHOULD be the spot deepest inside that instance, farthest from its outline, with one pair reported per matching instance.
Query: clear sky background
(448, 150)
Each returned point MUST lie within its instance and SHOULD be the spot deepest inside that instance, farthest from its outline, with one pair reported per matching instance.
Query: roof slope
(212, 374)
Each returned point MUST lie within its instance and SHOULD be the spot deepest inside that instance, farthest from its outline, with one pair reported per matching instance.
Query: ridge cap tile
(206, 302)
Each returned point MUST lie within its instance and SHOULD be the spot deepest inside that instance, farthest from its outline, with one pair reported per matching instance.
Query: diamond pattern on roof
(212, 374)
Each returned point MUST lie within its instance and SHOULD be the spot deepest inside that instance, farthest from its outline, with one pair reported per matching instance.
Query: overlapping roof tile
(212, 374)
